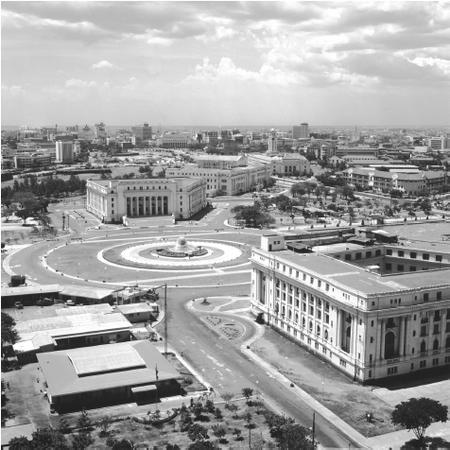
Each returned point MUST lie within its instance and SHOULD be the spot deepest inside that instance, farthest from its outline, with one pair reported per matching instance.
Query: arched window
(423, 347)
(318, 330)
(389, 345)
(310, 326)
(435, 344)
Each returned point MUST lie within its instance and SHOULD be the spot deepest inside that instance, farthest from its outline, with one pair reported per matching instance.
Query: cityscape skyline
(346, 64)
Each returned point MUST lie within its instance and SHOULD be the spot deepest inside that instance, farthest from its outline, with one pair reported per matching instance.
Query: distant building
(176, 140)
(372, 312)
(100, 131)
(220, 161)
(32, 160)
(437, 143)
(236, 180)
(64, 152)
(300, 131)
(416, 183)
(142, 133)
(110, 200)
(272, 143)
(289, 164)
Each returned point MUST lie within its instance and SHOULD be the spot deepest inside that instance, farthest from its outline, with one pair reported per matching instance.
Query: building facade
(410, 183)
(370, 325)
(288, 164)
(300, 131)
(142, 133)
(225, 181)
(64, 152)
(110, 200)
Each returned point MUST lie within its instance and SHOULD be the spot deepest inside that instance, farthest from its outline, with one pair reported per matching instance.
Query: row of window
(413, 255)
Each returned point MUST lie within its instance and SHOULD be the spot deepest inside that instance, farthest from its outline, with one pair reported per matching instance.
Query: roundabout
(172, 254)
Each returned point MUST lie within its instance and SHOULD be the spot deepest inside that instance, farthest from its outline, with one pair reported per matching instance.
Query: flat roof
(135, 308)
(358, 279)
(69, 325)
(103, 308)
(62, 378)
(86, 291)
(30, 290)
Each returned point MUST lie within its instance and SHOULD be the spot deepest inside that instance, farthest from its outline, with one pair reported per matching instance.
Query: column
(402, 336)
(338, 327)
(378, 340)
(383, 329)
(354, 336)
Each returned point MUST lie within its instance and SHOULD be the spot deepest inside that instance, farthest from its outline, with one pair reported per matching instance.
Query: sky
(217, 63)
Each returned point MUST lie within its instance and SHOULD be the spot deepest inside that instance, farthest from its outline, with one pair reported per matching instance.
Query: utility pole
(314, 430)
(165, 318)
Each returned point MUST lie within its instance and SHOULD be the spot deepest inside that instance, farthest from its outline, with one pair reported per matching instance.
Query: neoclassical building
(373, 312)
(110, 200)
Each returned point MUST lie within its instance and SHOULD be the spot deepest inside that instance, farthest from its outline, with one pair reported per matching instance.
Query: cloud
(103, 64)
(13, 90)
(75, 82)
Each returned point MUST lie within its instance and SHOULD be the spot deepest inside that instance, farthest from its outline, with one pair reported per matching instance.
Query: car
(70, 303)
(18, 305)
(45, 301)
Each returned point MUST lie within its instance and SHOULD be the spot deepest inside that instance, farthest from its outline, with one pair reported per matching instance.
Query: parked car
(18, 305)
(70, 303)
(45, 301)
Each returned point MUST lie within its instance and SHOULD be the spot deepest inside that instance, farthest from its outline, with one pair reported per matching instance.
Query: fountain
(182, 250)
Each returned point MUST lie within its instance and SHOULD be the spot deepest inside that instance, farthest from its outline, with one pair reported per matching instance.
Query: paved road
(221, 363)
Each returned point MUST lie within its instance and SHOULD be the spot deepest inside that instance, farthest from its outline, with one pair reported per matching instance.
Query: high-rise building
(272, 141)
(437, 143)
(300, 131)
(142, 133)
(64, 152)
(100, 130)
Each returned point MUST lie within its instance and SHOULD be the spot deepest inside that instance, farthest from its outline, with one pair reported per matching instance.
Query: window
(435, 361)
(372, 323)
(413, 255)
(422, 364)
(401, 253)
(426, 256)
(423, 330)
(388, 266)
(389, 251)
(377, 252)
(358, 255)
(439, 295)
(426, 297)
(371, 339)
(392, 370)
(368, 254)
(412, 269)
(348, 257)
(400, 267)
(438, 258)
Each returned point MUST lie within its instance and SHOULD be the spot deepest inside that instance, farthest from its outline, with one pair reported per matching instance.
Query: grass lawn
(349, 400)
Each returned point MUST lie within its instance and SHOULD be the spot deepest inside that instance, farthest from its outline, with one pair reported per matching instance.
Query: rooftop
(86, 292)
(357, 278)
(135, 308)
(48, 328)
(29, 290)
(107, 366)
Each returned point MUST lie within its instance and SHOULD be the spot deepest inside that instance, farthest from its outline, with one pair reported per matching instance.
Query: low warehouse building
(68, 331)
(133, 371)
(138, 312)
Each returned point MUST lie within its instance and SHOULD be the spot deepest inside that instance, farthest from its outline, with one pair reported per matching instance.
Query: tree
(219, 430)
(298, 190)
(417, 414)
(227, 396)
(20, 443)
(50, 439)
(82, 440)
(105, 424)
(124, 444)
(293, 435)
(197, 432)
(252, 216)
(247, 393)
(9, 334)
(84, 421)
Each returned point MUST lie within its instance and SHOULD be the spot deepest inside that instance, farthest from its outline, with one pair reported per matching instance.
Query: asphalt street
(220, 362)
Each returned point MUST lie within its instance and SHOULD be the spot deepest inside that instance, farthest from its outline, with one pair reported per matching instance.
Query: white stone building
(110, 200)
(373, 312)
